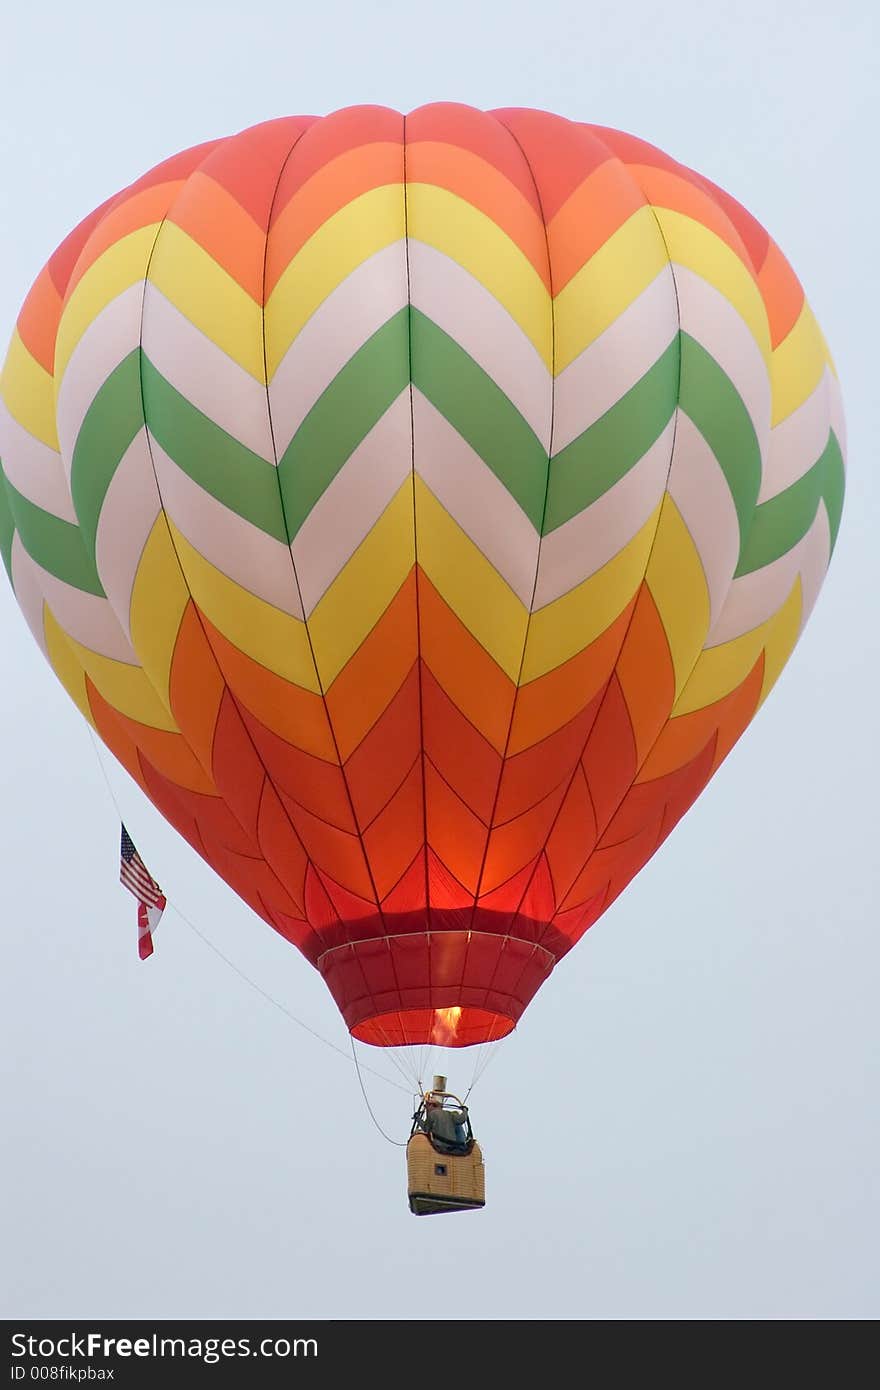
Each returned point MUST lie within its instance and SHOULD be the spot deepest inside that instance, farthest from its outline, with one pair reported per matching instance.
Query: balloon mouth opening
(457, 1026)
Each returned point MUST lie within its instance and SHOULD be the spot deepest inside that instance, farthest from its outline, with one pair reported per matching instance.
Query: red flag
(151, 900)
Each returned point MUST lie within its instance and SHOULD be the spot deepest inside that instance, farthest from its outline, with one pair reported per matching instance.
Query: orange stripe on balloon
(754, 237)
(238, 773)
(195, 686)
(508, 895)
(546, 704)
(646, 673)
(463, 757)
(478, 133)
(38, 321)
(561, 154)
(171, 755)
(686, 735)
(111, 219)
(445, 892)
(250, 164)
(213, 819)
(63, 260)
(455, 834)
(224, 230)
(531, 775)
(572, 923)
(331, 136)
(408, 893)
(312, 782)
(140, 210)
(294, 714)
(463, 668)
(520, 840)
(571, 841)
(538, 904)
(281, 847)
(396, 834)
(328, 190)
(112, 732)
(484, 187)
(665, 188)
(335, 851)
(588, 217)
(618, 862)
(609, 759)
(370, 679)
(166, 750)
(382, 759)
(254, 881)
(783, 294)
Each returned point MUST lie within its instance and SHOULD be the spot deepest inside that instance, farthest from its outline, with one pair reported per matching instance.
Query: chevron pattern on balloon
(420, 508)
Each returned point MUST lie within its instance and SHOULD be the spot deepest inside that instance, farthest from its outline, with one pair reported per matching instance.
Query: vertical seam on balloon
(516, 691)
(343, 925)
(710, 190)
(642, 761)
(183, 574)
(412, 435)
(68, 641)
(113, 712)
(613, 671)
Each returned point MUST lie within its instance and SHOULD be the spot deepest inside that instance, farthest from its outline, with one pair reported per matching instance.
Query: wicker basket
(443, 1182)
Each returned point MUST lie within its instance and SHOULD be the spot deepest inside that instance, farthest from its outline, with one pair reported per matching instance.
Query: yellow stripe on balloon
(826, 349)
(277, 640)
(692, 245)
(122, 265)
(469, 583)
(357, 231)
(607, 284)
(209, 297)
(466, 235)
(570, 623)
(783, 632)
(159, 597)
(721, 669)
(126, 688)
(678, 587)
(29, 393)
(797, 365)
(363, 589)
(64, 663)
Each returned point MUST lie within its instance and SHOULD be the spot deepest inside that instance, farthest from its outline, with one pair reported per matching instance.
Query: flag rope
(270, 999)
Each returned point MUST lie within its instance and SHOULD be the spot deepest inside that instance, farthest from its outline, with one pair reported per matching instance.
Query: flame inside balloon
(445, 1026)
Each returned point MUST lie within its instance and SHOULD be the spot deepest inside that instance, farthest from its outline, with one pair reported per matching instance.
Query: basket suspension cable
(398, 1143)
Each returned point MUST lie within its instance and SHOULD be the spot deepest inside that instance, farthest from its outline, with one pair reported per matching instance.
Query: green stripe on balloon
(484, 416)
(7, 524)
(833, 484)
(785, 519)
(56, 545)
(709, 398)
(110, 424)
(590, 465)
(221, 465)
(342, 417)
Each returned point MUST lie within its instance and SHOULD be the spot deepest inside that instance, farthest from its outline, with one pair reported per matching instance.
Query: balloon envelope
(420, 508)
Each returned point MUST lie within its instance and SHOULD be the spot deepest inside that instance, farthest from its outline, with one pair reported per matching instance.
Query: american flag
(151, 900)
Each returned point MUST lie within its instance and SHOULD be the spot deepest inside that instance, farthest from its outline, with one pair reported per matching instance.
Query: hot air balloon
(420, 508)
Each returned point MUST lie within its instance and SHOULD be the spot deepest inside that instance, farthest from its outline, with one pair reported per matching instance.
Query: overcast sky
(685, 1124)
